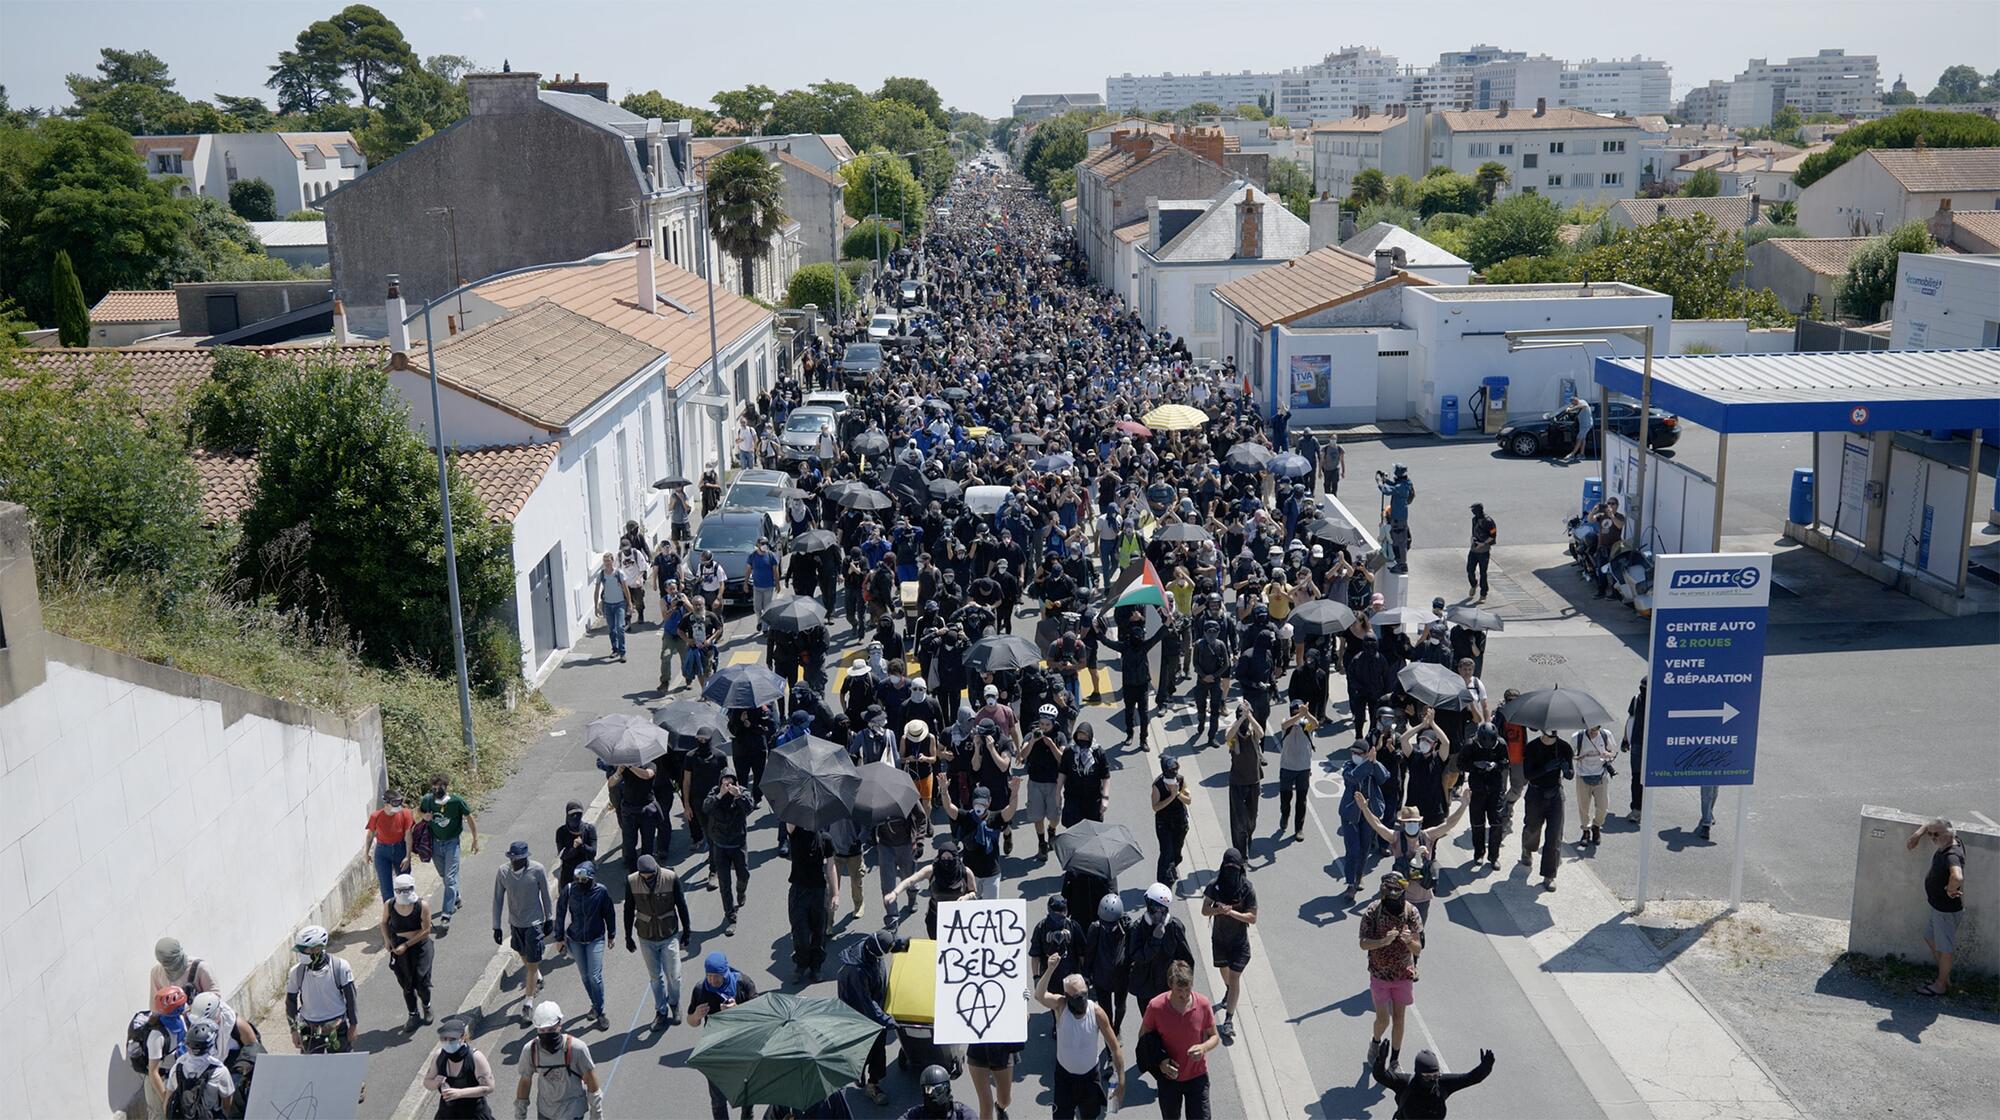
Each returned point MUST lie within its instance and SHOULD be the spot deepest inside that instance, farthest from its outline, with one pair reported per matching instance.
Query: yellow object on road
(913, 983)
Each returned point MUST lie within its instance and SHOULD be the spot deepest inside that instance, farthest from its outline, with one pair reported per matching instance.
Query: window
(1613, 179)
(1583, 179)
(1530, 160)
(1437, 150)
(1476, 150)
(1611, 146)
(1204, 308)
(166, 163)
(1555, 180)
(593, 493)
(1555, 147)
(649, 440)
(618, 475)
(1506, 149)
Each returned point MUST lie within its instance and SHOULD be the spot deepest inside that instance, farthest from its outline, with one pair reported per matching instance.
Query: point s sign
(1742, 579)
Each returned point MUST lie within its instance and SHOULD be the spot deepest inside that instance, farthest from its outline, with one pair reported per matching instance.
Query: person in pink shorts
(1391, 934)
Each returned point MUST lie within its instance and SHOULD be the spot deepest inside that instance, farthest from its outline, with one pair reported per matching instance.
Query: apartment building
(1832, 81)
(302, 167)
(1566, 154)
(1170, 91)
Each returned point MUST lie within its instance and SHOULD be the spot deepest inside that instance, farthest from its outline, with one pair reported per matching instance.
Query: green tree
(861, 242)
(247, 114)
(451, 67)
(1899, 97)
(1370, 185)
(111, 492)
(1489, 179)
(1376, 212)
(1201, 109)
(1870, 282)
(1559, 268)
(1782, 213)
(1449, 192)
(1764, 231)
(1523, 225)
(1704, 183)
(372, 50)
(748, 107)
(816, 284)
(305, 216)
(1933, 128)
(1958, 84)
(79, 186)
(901, 127)
(1403, 191)
(72, 313)
(217, 245)
(1286, 178)
(346, 522)
(746, 206)
(1058, 145)
(229, 410)
(1694, 261)
(887, 177)
(253, 200)
(418, 104)
(131, 91)
(917, 92)
(654, 104)
(1252, 112)
(307, 78)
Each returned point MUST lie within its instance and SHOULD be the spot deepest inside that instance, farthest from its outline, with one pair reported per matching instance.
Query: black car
(731, 535)
(1555, 432)
(861, 361)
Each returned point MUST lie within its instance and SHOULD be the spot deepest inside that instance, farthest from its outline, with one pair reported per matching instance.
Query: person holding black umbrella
(864, 986)
(1547, 762)
(812, 881)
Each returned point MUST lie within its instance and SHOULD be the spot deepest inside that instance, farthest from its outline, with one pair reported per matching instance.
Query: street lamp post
(444, 476)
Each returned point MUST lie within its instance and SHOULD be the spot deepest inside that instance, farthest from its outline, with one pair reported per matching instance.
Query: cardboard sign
(982, 972)
(307, 1086)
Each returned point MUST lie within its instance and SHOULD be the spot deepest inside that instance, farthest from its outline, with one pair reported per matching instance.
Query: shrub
(860, 241)
(1871, 274)
(253, 200)
(72, 312)
(1764, 231)
(1523, 225)
(816, 284)
(1558, 269)
(228, 411)
(305, 216)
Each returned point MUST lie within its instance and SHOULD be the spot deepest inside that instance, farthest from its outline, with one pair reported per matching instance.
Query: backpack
(422, 843)
(136, 1031)
(189, 1100)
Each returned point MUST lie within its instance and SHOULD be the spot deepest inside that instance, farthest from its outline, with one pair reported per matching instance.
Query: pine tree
(72, 314)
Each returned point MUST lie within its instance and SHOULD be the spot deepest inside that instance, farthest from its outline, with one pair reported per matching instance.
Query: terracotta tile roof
(792, 161)
(1824, 256)
(323, 142)
(543, 363)
(1731, 211)
(1133, 231)
(160, 376)
(605, 293)
(1321, 279)
(136, 307)
(185, 145)
(1373, 122)
(1984, 225)
(1520, 119)
(1942, 169)
(503, 477)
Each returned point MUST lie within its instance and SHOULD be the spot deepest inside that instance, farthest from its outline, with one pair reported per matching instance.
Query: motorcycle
(1630, 571)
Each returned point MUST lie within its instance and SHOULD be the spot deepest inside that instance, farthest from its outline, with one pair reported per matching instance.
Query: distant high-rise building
(1832, 81)
(1169, 92)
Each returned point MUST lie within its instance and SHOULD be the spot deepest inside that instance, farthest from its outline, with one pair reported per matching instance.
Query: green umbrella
(787, 1050)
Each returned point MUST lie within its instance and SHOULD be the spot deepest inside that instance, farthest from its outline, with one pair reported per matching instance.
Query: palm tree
(746, 206)
(1490, 178)
(1369, 187)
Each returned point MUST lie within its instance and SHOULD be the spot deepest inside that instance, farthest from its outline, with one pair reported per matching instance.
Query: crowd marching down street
(1029, 492)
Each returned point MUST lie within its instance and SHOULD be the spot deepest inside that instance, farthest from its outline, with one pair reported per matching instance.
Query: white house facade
(302, 167)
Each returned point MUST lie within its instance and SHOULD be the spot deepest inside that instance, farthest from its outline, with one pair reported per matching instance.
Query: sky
(980, 54)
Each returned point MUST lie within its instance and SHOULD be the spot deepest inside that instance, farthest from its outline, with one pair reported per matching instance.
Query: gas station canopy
(1851, 391)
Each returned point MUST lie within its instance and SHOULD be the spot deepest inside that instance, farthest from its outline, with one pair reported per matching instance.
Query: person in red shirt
(1185, 1022)
(388, 835)
(1517, 740)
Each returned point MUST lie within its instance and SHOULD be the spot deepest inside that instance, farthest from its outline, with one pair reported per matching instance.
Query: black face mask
(551, 1040)
(519, 864)
(1392, 903)
(650, 880)
(575, 820)
(1077, 1002)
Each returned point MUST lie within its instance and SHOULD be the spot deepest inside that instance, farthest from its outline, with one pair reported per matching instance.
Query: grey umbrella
(794, 614)
(1434, 685)
(1096, 848)
(1557, 709)
(1025, 439)
(811, 783)
(1000, 653)
(692, 717)
(1247, 457)
(1321, 617)
(862, 497)
(1180, 532)
(1409, 617)
(625, 740)
(886, 793)
(1475, 618)
(744, 686)
(943, 489)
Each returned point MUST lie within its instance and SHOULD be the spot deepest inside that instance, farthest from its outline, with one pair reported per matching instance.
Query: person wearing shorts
(1231, 903)
(1391, 932)
(1043, 756)
(991, 1065)
(523, 906)
(1944, 889)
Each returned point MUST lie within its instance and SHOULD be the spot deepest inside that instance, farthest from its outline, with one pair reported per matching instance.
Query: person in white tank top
(1083, 1031)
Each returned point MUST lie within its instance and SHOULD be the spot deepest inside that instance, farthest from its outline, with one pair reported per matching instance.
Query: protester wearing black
(808, 900)
(1549, 763)
(1420, 1094)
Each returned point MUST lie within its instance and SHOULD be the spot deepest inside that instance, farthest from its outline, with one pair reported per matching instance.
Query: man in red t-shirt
(1185, 1022)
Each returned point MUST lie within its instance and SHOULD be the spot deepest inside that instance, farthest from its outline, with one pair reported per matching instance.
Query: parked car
(861, 361)
(800, 438)
(831, 399)
(1555, 432)
(761, 491)
(882, 328)
(909, 294)
(731, 535)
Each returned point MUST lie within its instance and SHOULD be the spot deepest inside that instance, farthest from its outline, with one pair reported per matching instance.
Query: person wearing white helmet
(199, 1084)
(232, 1031)
(1044, 762)
(559, 1073)
(320, 1000)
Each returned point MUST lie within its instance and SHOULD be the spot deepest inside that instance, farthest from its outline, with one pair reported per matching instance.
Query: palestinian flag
(1139, 585)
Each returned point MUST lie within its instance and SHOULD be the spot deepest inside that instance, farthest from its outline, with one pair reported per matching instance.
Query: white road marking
(1985, 818)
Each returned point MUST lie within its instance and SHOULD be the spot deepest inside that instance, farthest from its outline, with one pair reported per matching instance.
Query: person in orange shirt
(389, 838)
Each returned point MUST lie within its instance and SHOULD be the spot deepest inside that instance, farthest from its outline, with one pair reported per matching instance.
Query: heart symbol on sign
(979, 1004)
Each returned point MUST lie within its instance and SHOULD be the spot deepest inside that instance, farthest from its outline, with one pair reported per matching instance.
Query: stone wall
(1890, 909)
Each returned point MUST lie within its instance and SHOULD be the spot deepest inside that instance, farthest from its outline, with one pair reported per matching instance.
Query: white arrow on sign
(1725, 713)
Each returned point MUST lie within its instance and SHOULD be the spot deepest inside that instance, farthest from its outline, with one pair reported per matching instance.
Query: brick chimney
(648, 290)
(506, 92)
(1139, 144)
(1756, 209)
(1541, 106)
(1250, 226)
(1503, 107)
(1940, 224)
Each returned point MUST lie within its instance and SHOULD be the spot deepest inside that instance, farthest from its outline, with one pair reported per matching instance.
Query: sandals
(1931, 989)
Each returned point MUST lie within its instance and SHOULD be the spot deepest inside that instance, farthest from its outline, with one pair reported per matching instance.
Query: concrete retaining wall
(1890, 909)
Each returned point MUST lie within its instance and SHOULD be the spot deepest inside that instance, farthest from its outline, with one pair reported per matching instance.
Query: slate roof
(290, 235)
(1416, 250)
(160, 376)
(1212, 235)
(605, 293)
(1520, 119)
(1941, 169)
(604, 114)
(1321, 279)
(542, 363)
(1728, 211)
(503, 477)
(136, 307)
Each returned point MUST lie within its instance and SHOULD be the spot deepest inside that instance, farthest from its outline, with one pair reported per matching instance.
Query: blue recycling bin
(1802, 496)
(1448, 416)
(1593, 493)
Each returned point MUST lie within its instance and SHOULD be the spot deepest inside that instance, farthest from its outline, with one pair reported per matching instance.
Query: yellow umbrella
(978, 431)
(1175, 418)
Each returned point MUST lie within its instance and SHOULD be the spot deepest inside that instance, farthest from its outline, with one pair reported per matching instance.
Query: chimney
(506, 92)
(339, 323)
(1756, 208)
(1385, 263)
(1250, 226)
(1541, 106)
(648, 295)
(1361, 111)
(1940, 224)
(1503, 107)
(1770, 157)
(399, 331)
(1323, 217)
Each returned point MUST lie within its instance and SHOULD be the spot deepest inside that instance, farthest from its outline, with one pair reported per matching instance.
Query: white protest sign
(307, 1086)
(982, 972)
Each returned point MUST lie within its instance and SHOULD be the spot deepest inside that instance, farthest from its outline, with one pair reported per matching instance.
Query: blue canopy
(1858, 391)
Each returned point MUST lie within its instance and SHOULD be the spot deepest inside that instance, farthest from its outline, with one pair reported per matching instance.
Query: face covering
(551, 1040)
(1077, 1002)
(438, 791)
(168, 952)
(1413, 827)
(575, 820)
(1392, 902)
(453, 1047)
(407, 898)
(1423, 746)
(1157, 915)
(519, 864)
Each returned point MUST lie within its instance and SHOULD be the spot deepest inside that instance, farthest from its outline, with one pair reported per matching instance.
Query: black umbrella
(886, 793)
(863, 498)
(1434, 685)
(956, 394)
(1025, 439)
(943, 489)
(1290, 465)
(1557, 709)
(835, 489)
(744, 686)
(624, 740)
(1475, 618)
(1410, 618)
(1001, 653)
(1247, 457)
(814, 540)
(1333, 532)
(671, 484)
(1321, 617)
(794, 614)
(691, 718)
(1096, 848)
(1056, 463)
(811, 783)
(1182, 532)
(871, 443)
